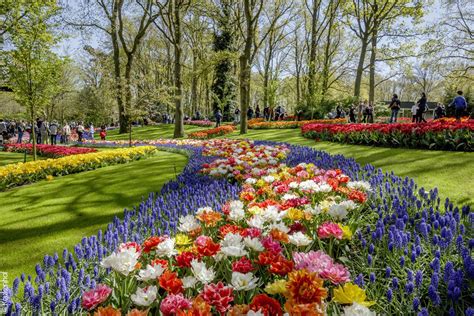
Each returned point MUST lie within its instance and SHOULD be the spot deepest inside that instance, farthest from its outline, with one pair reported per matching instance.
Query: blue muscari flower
(52, 306)
(423, 312)
(416, 304)
(451, 312)
(395, 283)
(434, 296)
(359, 280)
(372, 277)
(388, 271)
(369, 260)
(16, 283)
(402, 261)
(371, 248)
(418, 278)
(389, 295)
(469, 311)
(434, 265)
(409, 275)
(409, 287)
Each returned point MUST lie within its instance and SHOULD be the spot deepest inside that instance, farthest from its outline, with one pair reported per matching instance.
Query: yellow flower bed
(29, 172)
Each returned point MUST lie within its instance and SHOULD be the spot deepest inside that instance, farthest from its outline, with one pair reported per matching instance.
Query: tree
(33, 70)
(252, 12)
(171, 14)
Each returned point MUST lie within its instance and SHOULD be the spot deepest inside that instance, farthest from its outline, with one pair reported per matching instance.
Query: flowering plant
(213, 132)
(219, 261)
(439, 134)
(203, 123)
(21, 173)
(51, 151)
(261, 124)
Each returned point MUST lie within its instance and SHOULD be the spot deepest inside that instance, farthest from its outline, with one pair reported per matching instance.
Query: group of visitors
(47, 132)
(268, 113)
(366, 111)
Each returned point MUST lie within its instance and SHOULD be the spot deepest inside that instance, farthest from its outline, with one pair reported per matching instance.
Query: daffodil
(350, 293)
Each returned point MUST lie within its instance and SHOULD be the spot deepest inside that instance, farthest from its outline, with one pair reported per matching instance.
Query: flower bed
(261, 124)
(212, 132)
(437, 135)
(203, 123)
(51, 151)
(311, 234)
(22, 173)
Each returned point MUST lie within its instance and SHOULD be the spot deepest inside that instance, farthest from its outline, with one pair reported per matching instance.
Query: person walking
(422, 108)
(237, 115)
(249, 113)
(460, 106)
(20, 129)
(80, 132)
(92, 131)
(103, 132)
(266, 113)
(66, 132)
(218, 118)
(370, 113)
(395, 107)
(365, 111)
(257, 111)
(53, 132)
(414, 111)
(439, 111)
(352, 117)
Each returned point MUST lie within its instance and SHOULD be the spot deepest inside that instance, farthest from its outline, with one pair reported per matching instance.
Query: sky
(72, 45)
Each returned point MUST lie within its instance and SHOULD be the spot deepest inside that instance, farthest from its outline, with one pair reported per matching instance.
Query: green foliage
(33, 69)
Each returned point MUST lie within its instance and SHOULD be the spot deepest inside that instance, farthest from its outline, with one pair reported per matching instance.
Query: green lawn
(7, 158)
(149, 132)
(46, 217)
(450, 172)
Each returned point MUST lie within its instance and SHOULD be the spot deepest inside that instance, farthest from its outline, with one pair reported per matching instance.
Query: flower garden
(263, 228)
(438, 135)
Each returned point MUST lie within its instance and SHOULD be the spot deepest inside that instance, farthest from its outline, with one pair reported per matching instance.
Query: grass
(48, 216)
(149, 132)
(7, 158)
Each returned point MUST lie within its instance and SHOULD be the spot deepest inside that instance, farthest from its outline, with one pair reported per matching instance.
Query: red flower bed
(51, 151)
(440, 134)
(213, 132)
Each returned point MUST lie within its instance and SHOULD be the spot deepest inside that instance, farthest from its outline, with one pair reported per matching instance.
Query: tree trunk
(179, 124)
(360, 68)
(312, 57)
(194, 85)
(373, 55)
(123, 121)
(245, 67)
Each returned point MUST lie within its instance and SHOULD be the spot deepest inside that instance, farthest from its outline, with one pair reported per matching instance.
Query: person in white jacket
(414, 110)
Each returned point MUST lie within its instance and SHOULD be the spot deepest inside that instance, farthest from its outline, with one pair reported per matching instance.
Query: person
(338, 111)
(439, 111)
(218, 118)
(91, 131)
(237, 115)
(80, 132)
(66, 132)
(414, 111)
(278, 111)
(198, 115)
(250, 113)
(352, 117)
(365, 111)
(299, 114)
(257, 111)
(460, 106)
(53, 132)
(266, 113)
(370, 113)
(395, 107)
(20, 128)
(103, 132)
(422, 108)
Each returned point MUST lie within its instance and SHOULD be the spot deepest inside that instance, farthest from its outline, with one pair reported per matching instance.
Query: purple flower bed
(412, 251)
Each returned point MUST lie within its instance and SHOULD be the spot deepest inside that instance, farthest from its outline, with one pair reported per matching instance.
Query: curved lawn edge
(46, 216)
